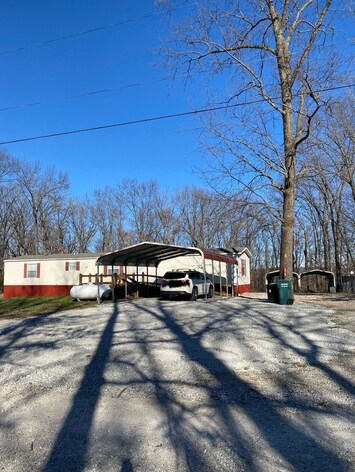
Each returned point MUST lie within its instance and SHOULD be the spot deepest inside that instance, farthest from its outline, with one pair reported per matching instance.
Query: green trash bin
(285, 292)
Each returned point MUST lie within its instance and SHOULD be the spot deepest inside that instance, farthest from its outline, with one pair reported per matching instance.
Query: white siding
(52, 271)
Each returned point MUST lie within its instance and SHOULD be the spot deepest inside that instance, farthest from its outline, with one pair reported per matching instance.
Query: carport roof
(149, 254)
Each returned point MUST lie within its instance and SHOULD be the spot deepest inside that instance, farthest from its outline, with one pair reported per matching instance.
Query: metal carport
(149, 254)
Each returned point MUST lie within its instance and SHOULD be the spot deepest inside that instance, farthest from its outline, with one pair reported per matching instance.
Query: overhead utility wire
(99, 28)
(92, 30)
(90, 93)
(85, 94)
(155, 118)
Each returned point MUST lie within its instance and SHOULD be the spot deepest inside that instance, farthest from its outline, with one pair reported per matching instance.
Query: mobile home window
(244, 267)
(72, 265)
(31, 270)
(116, 270)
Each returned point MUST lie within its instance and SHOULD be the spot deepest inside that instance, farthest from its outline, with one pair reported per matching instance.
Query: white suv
(186, 283)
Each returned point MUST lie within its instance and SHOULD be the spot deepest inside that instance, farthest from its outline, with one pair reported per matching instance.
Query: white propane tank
(90, 291)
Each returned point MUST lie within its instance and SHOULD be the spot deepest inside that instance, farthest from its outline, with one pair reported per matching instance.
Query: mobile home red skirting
(242, 289)
(11, 291)
(237, 289)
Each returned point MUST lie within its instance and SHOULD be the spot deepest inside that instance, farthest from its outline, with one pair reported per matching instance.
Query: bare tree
(141, 210)
(335, 139)
(108, 216)
(266, 53)
(43, 193)
(82, 225)
(8, 167)
(8, 199)
(329, 188)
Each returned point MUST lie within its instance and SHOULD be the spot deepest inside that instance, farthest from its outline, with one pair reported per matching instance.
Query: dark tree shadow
(310, 353)
(20, 330)
(214, 421)
(225, 389)
(70, 447)
(126, 466)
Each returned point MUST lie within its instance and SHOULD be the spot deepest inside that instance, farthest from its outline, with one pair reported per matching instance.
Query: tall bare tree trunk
(286, 253)
(289, 195)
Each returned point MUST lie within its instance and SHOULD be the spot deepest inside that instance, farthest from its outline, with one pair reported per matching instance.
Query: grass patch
(23, 307)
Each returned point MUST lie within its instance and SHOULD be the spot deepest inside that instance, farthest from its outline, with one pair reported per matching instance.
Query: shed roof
(149, 254)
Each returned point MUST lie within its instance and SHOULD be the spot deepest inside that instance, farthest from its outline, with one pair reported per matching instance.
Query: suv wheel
(194, 294)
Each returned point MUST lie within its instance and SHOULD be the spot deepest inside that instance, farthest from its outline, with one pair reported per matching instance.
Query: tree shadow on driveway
(71, 444)
(231, 402)
(210, 416)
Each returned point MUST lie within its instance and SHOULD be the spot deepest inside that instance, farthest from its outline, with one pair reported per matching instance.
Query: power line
(92, 30)
(93, 92)
(99, 28)
(85, 94)
(156, 118)
(124, 123)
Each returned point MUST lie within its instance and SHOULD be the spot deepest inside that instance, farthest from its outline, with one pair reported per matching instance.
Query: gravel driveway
(150, 385)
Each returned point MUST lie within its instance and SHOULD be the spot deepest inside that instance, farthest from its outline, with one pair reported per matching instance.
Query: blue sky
(109, 59)
(112, 58)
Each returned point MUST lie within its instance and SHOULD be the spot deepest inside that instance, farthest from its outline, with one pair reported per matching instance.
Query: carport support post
(227, 280)
(204, 276)
(125, 283)
(137, 283)
(213, 279)
(147, 294)
(156, 279)
(232, 282)
(220, 281)
(98, 283)
(112, 284)
(232, 272)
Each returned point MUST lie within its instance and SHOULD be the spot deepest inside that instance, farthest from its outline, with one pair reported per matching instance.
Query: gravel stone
(151, 385)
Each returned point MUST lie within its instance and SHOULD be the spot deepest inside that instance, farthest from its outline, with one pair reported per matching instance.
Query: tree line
(40, 215)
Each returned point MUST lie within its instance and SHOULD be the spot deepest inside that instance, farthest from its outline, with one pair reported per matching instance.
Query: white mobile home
(53, 275)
